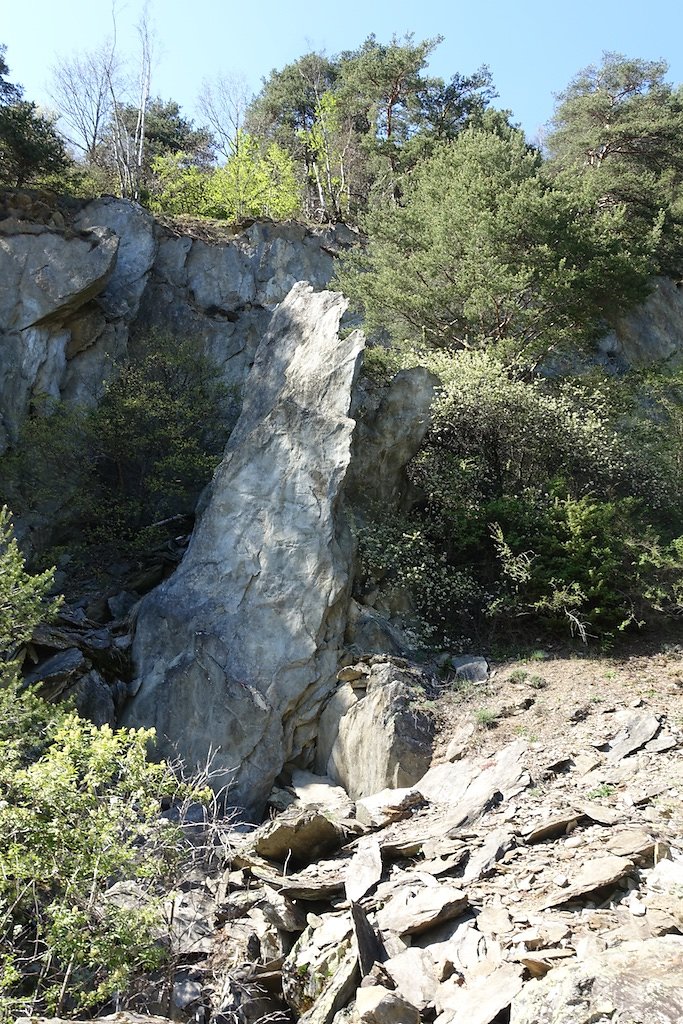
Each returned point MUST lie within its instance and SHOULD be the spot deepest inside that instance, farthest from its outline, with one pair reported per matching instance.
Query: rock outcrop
(372, 733)
(236, 652)
(640, 981)
(45, 277)
(509, 883)
(392, 424)
(652, 333)
(80, 281)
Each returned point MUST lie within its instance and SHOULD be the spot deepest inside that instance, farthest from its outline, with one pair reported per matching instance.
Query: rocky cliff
(501, 874)
(79, 282)
(236, 655)
(238, 651)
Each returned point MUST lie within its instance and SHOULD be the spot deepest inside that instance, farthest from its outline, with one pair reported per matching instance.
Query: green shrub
(397, 553)
(82, 815)
(24, 598)
(556, 502)
(79, 811)
(137, 459)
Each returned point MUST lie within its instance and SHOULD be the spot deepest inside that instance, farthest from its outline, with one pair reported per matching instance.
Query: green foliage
(23, 597)
(487, 718)
(327, 141)
(77, 804)
(496, 434)
(399, 554)
(9, 93)
(590, 563)
(251, 184)
(353, 121)
(483, 249)
(179, 185)
(618, 126)
(138, 458)
(79, 811)
(30, 147)
(75, 820)
(254, 184)
(555, 502)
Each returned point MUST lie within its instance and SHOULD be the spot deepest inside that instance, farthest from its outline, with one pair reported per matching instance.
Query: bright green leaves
(23, 597)
(253, 183)
(83, 815)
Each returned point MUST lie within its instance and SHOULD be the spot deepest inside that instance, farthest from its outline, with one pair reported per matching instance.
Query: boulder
(470, 669)
(417, 908)
(632, 983)
(301, 834)
(321, 973)
(44, 276)
(137, 249)
(387, 806)
(481, 1001)
(382, 740)
(236, 652)
(390, 431)
(378, 1005)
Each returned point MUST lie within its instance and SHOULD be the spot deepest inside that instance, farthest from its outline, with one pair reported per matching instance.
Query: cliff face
(78, 285)
(237, 653)
(238, 650)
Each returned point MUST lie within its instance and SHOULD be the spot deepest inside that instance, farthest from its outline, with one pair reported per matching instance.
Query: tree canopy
(483, 248)
(29, 144)
(619, 126)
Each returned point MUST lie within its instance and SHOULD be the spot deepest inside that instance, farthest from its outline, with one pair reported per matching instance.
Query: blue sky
(533, 48)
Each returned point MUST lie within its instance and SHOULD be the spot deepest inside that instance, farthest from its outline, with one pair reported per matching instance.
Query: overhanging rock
(235, 653)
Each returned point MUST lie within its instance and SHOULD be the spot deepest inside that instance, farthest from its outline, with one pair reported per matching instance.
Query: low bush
(79, 813)
(76, 822)
(556, 502)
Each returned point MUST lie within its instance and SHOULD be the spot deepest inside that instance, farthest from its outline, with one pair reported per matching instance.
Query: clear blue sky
(533, 47)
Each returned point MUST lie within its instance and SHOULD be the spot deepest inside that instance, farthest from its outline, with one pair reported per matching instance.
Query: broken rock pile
(514, 885)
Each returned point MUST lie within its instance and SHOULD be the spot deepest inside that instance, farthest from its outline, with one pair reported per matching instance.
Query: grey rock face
(653, 332)
(45, 277)
(73, 300)
(134, 228)
(236, 652)
(376, 739)
(223, 295)
(389, 435)
(641, 983)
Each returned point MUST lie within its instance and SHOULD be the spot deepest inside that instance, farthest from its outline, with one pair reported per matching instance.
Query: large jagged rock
(392, 424)
(377, 737)
(79, 284)
(223, 294)
(134, 227)
(45, 277)
(642, 982)
(236, 652)
(44, 274)
(653, 332)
